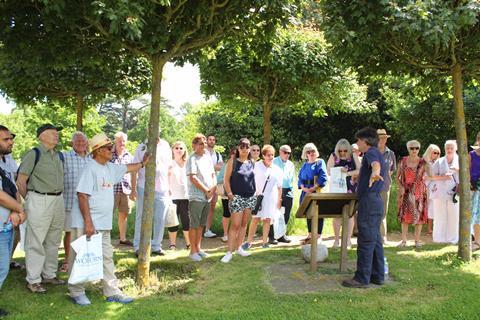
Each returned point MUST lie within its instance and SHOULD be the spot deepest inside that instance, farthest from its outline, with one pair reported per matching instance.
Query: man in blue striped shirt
(75, 161)
(288, 169)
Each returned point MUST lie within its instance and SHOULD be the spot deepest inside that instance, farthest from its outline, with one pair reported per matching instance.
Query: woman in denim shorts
(239, 183)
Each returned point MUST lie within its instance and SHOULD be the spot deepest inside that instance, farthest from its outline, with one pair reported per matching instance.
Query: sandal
(187, 246)
(64, 267)
(475, 246)
(418, 244)
(402, 244)
(172, 247)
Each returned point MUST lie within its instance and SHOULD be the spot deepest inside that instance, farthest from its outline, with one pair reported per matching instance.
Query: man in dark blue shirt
(370, 259)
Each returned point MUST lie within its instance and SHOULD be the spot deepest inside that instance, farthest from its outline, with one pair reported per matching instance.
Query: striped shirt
(125, 186)
(73, 167)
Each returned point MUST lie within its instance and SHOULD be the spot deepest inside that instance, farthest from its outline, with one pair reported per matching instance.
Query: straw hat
(98, 141)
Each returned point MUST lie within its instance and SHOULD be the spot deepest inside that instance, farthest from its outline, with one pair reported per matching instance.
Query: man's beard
(4, 152)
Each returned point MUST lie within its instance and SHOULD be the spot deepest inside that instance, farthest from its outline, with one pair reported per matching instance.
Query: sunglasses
(414, 148)
(311, 152)
(244, 146)
(435, 152)
(178, 148)
(286, 152)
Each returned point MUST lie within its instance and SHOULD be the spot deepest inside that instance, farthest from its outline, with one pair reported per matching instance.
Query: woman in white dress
(179, 190)
(272, 195)
(443, 192)
(430, 156)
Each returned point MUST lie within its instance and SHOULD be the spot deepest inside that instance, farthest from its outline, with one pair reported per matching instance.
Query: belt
(308, 182)
(47, 193)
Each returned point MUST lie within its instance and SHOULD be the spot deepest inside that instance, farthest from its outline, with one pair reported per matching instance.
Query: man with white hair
(123, 188)
(75, 161)
(40, 182)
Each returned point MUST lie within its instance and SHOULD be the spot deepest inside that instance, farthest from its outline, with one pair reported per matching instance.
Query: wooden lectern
(328, 205)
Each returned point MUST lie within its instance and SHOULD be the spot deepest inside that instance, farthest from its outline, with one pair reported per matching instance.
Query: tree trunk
(464, 242)
(143, 269)
(79, 108)
(267, 124)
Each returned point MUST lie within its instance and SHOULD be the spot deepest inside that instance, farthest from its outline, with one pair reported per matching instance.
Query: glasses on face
(414, 148)
(286, 152)
(311, 152)
(244, 146)
(107, 147)
(344, 151)
(178, 148)
(436, 152)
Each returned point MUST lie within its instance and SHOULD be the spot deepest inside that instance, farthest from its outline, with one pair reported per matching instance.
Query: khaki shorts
(198, 211)
(121, 202)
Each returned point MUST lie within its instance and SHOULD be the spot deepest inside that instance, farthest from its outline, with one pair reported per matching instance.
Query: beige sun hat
(383, 132)
(285, 148)
(99, 140)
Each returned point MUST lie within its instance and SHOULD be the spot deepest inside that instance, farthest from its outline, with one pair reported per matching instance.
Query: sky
(180, 85)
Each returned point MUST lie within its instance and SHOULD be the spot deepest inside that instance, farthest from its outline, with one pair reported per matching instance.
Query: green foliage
(430, 107)
(25, 121)
(405, 36)
(42, 59)
(230, 122)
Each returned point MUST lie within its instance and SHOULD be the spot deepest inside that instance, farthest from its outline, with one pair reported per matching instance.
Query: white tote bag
(171, 220)
(279, 226)
(88, 264)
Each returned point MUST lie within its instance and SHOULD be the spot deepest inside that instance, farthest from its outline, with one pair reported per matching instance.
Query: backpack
(7, 185)
(37, 158)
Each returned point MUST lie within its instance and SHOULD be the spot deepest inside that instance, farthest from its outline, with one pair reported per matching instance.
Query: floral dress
(412, 195)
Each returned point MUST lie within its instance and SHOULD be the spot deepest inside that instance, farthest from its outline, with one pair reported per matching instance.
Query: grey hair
(308, 147)
(344, 145)
(412, 143)
(79, 133)
(451, 143)
(121, 134)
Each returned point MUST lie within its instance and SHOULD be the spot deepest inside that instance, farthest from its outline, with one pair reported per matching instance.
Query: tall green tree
(163, 31)
(42, 60)
(292, 68)
(436, 38)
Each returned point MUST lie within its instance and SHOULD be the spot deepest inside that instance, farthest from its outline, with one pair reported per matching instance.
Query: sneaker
(246, 246)
(54, 281)
(227, 257)
(16, 266)
(265, 246)
(242, 252)
(209, 234)
(120, 298)
(402, 244)
(158, 253)
(195, 257)
(36, 287)
(203, 254)
(224, 239)
(81, 300)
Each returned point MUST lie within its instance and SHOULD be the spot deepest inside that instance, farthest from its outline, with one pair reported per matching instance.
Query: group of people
(75, 193)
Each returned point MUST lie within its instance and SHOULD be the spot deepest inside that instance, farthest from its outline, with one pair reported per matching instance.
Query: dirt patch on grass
(294, 278)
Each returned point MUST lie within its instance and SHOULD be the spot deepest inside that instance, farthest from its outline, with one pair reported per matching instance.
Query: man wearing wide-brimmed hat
(92, 212)
(40, 182)
(391, 163)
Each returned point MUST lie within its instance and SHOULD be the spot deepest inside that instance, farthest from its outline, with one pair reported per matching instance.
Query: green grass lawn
(427, 284)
